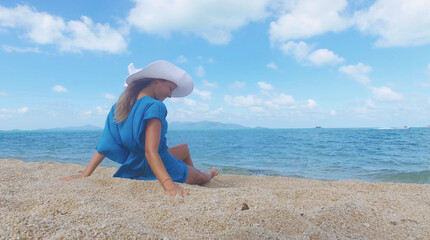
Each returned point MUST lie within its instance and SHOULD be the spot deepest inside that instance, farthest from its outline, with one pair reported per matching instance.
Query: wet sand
(34, 204)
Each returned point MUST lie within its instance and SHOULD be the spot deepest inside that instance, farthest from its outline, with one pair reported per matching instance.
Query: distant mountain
(87, 127)
(203, 125)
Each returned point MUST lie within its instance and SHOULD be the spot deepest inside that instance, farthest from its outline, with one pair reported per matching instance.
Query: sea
(368, 154)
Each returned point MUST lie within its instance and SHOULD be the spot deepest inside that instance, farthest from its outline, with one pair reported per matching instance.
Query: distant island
(204, 125)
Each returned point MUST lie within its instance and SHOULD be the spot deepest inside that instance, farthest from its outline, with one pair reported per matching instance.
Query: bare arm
(92, 165)
(152, 141)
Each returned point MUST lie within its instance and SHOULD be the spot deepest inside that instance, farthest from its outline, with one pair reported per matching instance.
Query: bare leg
(182, 153)
(195, 176)
(200, 178)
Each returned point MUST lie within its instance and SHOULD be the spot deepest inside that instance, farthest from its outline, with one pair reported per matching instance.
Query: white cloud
(358, 72)
(103, 110)
(59, 88)
(208, 84)
(238, 85)
(284, 100)
(300, 51)
(20, 50)
(85, 35)
(363, 109)
(396, 22)
(200, 72)
(86, 113)
(280, 101)
(242, 101)
(7, 112)
(386, 94)
(258, 110)
(204, 95)
(4, 94)
(272, 66)
(310, 103)
(303, 52)
(182, 59)
(109, 96)
(333, 113)
(308, 18)
(324, 56)
(213, 20)
(22, 110)
(74, 36)
(190, 102)
(265, 86)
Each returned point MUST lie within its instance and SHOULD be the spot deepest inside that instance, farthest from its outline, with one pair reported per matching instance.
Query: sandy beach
(34, 204)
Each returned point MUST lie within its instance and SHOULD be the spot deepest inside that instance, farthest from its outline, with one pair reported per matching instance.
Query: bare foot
(213, 172)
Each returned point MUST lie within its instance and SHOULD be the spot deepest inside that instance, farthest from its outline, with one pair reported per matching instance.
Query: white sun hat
(163, 70)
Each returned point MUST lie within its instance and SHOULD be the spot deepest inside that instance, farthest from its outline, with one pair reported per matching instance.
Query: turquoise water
(393, 155)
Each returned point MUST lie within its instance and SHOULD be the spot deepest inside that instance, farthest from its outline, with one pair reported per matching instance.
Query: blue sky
(267, 63)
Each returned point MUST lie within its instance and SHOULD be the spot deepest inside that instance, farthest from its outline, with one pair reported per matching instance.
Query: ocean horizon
(368, 154)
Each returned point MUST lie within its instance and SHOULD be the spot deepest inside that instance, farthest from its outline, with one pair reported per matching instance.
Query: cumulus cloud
(242, 101)
(272, 66)
(190, 102)
(59, 88)
(333, 113)
(396, 22)
(182, 59)
(324, 56)
(364, 108)
(386, 94)
(7, 48)
(284, 99)
(208, 84)
(102, 110)
(204, 95)
(98, 111)
(308, 18)
(357, 72)
(213, 20)
(305, 53)
(252, 102)
(22, 110)
(300, 51)
(6, 112)
(73, 36)
(265, 86)
(200, 72)
(237, 85)
(310, 103)
(109, 96)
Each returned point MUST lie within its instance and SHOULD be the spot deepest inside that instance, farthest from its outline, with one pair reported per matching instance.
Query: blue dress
(125, 142)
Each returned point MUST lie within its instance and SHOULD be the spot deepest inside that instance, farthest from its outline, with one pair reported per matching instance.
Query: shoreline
(34, 204)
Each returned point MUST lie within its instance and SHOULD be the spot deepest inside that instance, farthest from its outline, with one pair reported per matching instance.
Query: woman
(135, 129)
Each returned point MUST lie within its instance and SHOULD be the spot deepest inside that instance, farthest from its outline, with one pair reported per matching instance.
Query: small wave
(421, 177)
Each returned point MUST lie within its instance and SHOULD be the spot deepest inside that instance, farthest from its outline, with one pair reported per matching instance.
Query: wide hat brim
(163, 70)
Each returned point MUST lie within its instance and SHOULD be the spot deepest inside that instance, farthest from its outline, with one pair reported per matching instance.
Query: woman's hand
(70, 178)
(176, 191)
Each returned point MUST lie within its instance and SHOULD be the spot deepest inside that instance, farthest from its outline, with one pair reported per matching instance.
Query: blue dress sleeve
(156, 110)
(110, 144)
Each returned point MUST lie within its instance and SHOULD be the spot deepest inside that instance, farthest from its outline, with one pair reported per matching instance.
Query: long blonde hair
(128, 98)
